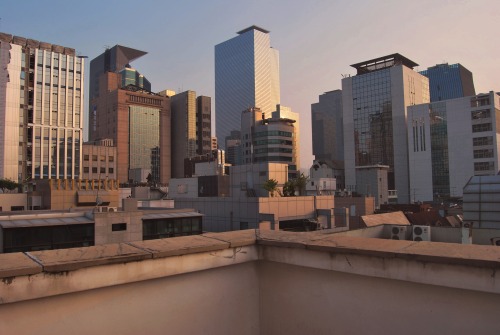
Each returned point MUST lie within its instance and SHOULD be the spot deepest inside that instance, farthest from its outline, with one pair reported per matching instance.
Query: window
(94, 170)
(102, 170)
(94, 158)
(111, 170)
(476, 128)
(483, 153)
(480, 114)
(118, 227)
(111, 159)
(86, 169)
(86, 158)
(479, 141)
(483, 166)
(103, 158)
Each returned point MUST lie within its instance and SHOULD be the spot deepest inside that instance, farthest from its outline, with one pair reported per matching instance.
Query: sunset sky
(317, 40)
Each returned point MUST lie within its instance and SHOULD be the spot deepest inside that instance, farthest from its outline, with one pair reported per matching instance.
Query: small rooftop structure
(254, 27)
(381, 63)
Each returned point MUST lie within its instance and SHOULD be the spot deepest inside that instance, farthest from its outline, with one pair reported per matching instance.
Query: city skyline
(317, 42)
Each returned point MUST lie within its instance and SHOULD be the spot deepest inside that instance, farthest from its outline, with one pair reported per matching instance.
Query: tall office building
(246, 75)
(138, 122)
(41, 101)
(327, 127)
(183, 111)
(274, 139)
(449, 82)
(115, 59)
(232, 143)
(449, 142)
(374, 104)
(204, 125)
(191, 129)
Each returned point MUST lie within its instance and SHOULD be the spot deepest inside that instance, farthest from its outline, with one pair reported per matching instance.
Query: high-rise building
(246, 75)
(184, 144)
(115, 59)
(41, 101)
(203, 125)
(138, 122)
(449, 81)
(449, 142)
(232, 143)
(273, 139)
(375, 133)
(327, 127)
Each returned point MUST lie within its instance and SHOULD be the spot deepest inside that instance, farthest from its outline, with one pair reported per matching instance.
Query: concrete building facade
(41, 116)
(246, 74)
(449, 142)
(375, 120)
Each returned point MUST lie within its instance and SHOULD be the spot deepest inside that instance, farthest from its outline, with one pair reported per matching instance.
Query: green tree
(8, 185)
(289, 188)
(300, 183)
(271, 185)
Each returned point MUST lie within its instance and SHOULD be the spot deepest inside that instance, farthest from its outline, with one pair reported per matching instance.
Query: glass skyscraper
(374, 108)
(246, 75)
(449, 82)
(41, 101)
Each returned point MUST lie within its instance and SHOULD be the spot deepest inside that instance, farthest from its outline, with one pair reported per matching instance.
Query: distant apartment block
(246, 75)
(449, 82)
(449, 142)
(374, 108)
(41, 116)
(204, 125)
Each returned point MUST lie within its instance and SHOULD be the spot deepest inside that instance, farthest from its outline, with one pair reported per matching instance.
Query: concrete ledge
(17, 264)
(180, 245)
(238, 238)
(76, 258)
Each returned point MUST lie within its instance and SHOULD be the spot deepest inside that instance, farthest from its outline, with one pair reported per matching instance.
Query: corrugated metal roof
(45, 222)
(151, 216)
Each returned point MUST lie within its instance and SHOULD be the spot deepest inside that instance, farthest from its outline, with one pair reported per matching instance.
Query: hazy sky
(317, 40)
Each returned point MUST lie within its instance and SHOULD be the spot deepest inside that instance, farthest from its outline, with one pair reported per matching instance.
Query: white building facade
(374, 107)
(41, 118)
(246, 75)
(449, 142)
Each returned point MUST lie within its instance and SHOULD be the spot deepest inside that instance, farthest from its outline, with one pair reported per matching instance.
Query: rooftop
(253, 282)
(383, 63)
(254, 27)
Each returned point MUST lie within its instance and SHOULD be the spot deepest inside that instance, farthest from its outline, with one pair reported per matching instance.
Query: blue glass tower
(449, 82)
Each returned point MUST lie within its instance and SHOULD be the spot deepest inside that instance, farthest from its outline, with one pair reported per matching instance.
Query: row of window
(273, 133)
(102, 158)
(86, 169)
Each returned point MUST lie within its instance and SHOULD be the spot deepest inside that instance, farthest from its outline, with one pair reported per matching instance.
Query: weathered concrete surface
(77, 258)
(17, 264)
(180, 245)
(238, 238)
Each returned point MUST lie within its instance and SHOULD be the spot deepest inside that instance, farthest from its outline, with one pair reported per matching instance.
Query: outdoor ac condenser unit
(422, 233)
(398, 232)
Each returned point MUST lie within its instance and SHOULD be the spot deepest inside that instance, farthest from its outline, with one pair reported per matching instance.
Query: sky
(317, 39)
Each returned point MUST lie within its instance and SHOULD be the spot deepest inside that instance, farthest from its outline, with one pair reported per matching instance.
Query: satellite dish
(98, 201)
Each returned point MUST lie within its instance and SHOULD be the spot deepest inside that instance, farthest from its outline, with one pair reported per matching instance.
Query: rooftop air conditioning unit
(422, 233)
(495, 241)
(102, 209)
(112, 209)
(398, 232)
